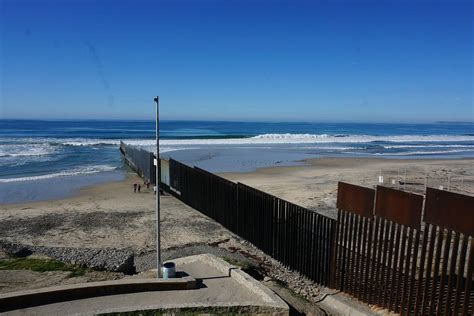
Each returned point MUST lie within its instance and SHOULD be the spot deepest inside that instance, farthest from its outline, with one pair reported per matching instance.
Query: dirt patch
(116, 220)
(35, 226)
(201, 225)
(41, 225)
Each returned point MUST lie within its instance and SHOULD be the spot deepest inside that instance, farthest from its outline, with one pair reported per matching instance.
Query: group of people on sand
(137, 186)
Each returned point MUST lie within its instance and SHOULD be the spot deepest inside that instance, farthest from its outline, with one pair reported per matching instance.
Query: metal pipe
(158, 235)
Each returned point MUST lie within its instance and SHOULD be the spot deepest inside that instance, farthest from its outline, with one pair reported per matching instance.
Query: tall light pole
(158, 245)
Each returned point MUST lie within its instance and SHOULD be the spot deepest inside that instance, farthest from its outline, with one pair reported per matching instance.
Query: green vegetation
(195, 311)
(41, 265)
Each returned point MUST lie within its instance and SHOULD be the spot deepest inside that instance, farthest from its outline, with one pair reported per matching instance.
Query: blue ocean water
(77, 153)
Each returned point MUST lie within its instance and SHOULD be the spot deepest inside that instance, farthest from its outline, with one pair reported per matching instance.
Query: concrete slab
(64, 293)
(221, 287)
(299, 304)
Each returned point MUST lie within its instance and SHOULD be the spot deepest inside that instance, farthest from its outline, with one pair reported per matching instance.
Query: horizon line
(233, 121)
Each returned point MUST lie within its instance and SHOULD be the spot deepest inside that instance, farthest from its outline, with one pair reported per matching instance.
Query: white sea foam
(317, 138)
(45, 146)
(72, 172)
(87, 142)
(329, 147)
(325, 138)
(103, 142)
(23, 150)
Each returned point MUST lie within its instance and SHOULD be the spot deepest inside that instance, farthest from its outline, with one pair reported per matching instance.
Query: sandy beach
(314, 185)
(111, 215)
(106, 215)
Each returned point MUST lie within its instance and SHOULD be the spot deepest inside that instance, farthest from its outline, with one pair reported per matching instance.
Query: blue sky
(348, 61)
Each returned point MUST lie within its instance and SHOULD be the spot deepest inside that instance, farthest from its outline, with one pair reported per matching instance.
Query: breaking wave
(73, 172)
(258, 139)
(25, 150)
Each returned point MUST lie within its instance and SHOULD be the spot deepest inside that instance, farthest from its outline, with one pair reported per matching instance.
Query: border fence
(409, 253)
(297, 237)
(388, 254)
(140, 160)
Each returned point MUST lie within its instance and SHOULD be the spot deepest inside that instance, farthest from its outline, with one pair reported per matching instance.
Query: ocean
(52, 159)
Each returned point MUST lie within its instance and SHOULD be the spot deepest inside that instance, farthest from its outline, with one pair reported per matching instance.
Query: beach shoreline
(264, 177)
(55, 188)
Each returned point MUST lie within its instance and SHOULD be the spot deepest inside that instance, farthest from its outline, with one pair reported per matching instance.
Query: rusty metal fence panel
(398, 214)
(353, 243)
(445, 277)
(392, 259)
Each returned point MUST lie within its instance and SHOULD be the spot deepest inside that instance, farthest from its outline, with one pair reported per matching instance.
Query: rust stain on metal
(399, 206)
(355, 199)
(450, 210)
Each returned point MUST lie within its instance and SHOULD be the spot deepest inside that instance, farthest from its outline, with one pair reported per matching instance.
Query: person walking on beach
(139, 187)
(134, 188)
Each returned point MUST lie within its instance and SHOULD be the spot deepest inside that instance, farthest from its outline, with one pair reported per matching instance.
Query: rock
(15, 250)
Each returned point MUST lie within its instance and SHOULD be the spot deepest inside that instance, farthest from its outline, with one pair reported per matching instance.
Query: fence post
(158, 241)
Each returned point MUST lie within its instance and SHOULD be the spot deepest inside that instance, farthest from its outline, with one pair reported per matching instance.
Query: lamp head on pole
(156, 99)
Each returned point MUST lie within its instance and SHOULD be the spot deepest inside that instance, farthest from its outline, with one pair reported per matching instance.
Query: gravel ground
(269, 268)
(147, 260)
(99, 259)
